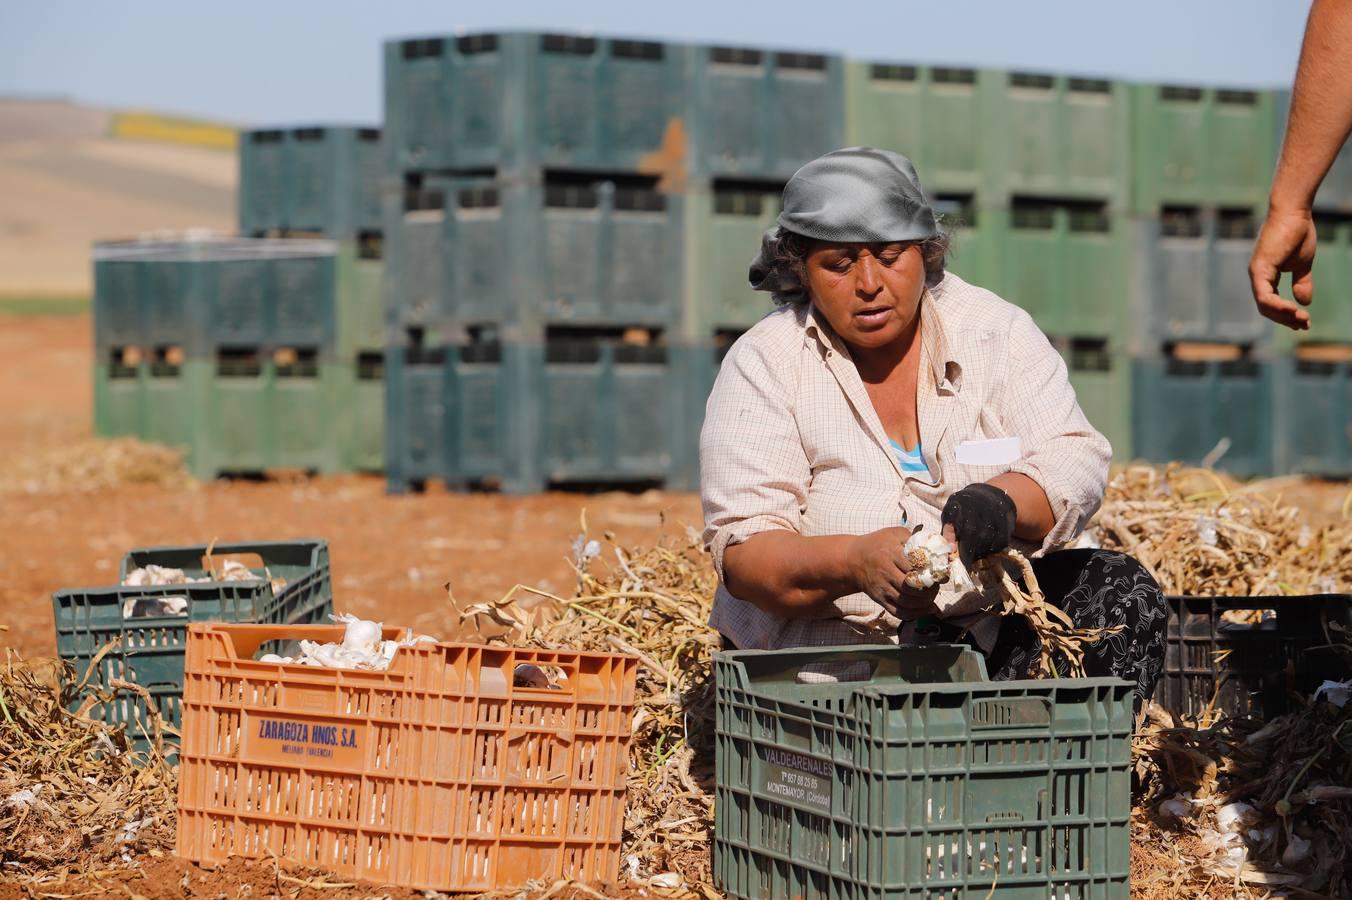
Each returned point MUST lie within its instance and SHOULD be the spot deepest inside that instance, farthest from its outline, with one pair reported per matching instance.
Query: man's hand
(878, 567)
(1286, 244)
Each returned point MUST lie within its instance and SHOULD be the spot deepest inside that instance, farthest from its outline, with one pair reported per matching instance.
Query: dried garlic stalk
(1055, 630)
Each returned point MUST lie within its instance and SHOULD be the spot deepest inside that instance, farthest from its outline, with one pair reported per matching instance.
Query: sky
(291, 61)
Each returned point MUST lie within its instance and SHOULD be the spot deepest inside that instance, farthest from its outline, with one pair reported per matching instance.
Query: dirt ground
(391, 556)
(169, 877)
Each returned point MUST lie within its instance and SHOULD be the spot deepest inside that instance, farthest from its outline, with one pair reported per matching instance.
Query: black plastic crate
(1253, 669)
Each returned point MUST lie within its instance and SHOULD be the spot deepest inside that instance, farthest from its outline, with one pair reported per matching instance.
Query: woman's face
(869, 293)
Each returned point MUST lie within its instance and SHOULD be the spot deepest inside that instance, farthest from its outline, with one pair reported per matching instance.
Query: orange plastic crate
(436, 774)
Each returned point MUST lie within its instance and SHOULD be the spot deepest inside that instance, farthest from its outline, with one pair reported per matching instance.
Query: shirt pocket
(965, 475)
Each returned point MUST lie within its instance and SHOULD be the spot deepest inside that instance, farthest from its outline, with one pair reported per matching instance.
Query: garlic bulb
(930, 556)
(361, 636)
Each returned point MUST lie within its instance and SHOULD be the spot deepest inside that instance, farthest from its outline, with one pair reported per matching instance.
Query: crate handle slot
(243, 641)
(994, 713)
(938, 663)
(215, 561)
(498, 671)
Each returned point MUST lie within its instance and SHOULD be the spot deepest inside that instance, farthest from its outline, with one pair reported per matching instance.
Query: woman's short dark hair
(791, 251)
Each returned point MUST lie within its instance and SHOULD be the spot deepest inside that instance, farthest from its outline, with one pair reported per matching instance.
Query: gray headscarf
(855, 195)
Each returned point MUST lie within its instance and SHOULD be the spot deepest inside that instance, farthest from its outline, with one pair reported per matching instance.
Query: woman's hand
(982, 517)
(878, 566)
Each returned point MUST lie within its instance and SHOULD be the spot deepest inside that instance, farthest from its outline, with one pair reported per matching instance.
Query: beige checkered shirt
(792, 441)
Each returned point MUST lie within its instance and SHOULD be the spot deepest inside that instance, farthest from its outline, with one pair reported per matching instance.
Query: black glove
(983, 518)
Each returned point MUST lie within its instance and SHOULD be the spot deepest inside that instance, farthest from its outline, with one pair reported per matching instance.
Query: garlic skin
(361, 636)
(362, 647)
(931, 559)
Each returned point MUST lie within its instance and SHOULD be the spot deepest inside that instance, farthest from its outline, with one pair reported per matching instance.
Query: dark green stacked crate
(1218, 411)
(550, 197)
(553, 365)
(149, 649)
(324, 180)
(1202, 159)
(223, 347)
(921, 778)
(318, 179)
(522, 102)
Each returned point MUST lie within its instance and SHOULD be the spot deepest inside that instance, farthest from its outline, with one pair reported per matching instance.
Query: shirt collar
(935, 349)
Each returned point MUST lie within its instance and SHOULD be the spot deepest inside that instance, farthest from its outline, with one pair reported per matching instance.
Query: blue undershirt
(912, 462)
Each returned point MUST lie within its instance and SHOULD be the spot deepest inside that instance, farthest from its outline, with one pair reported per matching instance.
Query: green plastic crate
(156, 402)
(189, 297)
(757, 113)
(611, 411)
(174, 400)
(147, 295)
(1056, 135)
(524, 100)
(1311, 408)
(152, 647)
(317, 180)
(414, 287)
(265, 414)
(1067, 262)
(359, 376)
(581, 408)
(359, 409)
(608, 252)
(1192, 272)
(1204, 146)
(263, 176)
(1100, 372)
(464, 414)
(1183, 410)
(973, 242)
(932, 115)
(244, 412)
(521, 102)
(922, 780)
(724, 224)
(359, 277)
(333, 187)
(995, 134)
(119, 399)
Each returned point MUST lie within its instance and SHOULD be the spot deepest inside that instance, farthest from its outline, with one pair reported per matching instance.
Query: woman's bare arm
(796, 577)
(1034, 518)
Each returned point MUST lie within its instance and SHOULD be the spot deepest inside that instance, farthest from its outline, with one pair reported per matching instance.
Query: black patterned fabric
(1097, 589)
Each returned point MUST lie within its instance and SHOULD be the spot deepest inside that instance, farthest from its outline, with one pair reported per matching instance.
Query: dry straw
(96, 465)
(1204, 536)
(73, 794)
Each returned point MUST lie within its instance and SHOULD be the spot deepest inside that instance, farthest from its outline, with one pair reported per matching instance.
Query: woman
(834, 431)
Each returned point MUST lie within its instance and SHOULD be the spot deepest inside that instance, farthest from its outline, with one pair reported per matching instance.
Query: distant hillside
(67, 183)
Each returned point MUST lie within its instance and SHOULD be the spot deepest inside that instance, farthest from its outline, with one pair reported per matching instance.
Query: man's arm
(1318, 124)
